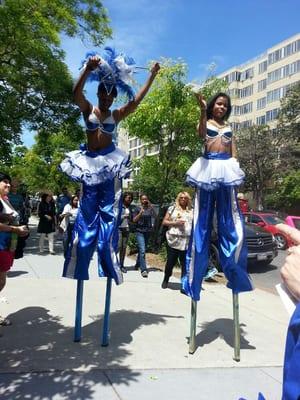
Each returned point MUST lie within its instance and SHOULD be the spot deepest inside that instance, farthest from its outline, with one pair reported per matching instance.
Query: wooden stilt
(192, 342)
(105, 332)
(236, 325)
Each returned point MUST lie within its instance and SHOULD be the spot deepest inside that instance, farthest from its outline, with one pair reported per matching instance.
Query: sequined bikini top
(213, 132)
(107, 126)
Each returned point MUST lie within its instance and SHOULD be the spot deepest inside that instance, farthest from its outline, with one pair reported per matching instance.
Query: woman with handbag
(8, 231)
(178, 220)
(68, 216)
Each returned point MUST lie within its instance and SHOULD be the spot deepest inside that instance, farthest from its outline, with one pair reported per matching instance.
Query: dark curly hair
(4, 176)
(211, 103)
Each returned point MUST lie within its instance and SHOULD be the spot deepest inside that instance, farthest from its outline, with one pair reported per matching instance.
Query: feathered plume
(114, 70)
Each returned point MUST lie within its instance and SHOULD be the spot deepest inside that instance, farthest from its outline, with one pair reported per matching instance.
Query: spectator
(178, 219)
(143, 217)
(68, 217)
(124, 227)
(8, 219)
(62, 200)
(46, 226)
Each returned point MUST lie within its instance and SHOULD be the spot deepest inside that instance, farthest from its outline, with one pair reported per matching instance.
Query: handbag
(63, 225)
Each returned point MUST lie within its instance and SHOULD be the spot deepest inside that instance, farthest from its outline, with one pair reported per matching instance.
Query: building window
(262, 67)
(246, 108)
(275, 56)
(232, 77)
(246, 91)
(236, 110)
(272, 114)
(292, 48)
(235, 126)
(261, 103)
(261, 120)
(261, 85)
(248, 73)
(245, 124)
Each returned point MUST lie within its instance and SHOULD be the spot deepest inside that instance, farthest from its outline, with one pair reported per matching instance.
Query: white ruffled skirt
(93, 168)
(214, 170)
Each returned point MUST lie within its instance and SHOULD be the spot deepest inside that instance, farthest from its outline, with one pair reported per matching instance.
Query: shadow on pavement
(38, 347)
(13, 274)
(221, 328)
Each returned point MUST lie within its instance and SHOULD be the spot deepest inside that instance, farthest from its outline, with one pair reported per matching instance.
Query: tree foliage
(35, 85)
(258, 157)
(37, 167)
(167, 119)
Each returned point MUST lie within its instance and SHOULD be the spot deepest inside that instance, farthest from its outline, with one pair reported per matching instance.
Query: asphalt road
(267, 276)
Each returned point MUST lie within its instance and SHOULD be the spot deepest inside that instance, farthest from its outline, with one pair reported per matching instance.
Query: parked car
(269, 221)
(293, 221)
(262, 247)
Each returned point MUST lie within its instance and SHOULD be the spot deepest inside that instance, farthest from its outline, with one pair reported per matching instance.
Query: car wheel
(280, 241)
(214, 259)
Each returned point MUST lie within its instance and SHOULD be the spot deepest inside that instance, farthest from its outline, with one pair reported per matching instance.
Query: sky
(199, 32)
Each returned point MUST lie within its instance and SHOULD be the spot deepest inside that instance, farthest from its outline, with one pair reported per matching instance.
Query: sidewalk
(148, 352)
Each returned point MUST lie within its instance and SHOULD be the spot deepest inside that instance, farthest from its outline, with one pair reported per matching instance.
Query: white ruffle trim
(81, 167)
(211, 174)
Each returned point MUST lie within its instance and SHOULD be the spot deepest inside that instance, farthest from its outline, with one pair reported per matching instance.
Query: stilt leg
(236, 324)
(105, 332)
(192, 343)
(78, 312)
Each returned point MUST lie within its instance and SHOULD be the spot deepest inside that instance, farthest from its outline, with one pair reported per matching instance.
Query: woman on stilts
(100, 166)
(215, 177)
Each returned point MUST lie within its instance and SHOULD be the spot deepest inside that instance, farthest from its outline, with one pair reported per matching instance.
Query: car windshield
(272, 219)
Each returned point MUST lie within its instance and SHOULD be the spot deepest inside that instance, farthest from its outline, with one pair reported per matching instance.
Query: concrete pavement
(148, 352)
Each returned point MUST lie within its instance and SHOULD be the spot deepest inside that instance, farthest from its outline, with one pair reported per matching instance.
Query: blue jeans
(142, 239)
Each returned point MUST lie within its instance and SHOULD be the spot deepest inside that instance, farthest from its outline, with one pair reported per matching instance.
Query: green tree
(35, 85)
(258, 157)
(37, 167)
(287, 137)
(286, 194)
(167, 121)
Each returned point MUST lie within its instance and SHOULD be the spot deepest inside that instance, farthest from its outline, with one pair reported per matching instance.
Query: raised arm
(201, 128)
(79, 97)
(130, 107)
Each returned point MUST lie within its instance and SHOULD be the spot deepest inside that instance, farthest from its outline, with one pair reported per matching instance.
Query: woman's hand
(290, 272)
(179, 222)
(93, 63)
(48, 217)
(21, 230)
(202, 103)
(155, 69)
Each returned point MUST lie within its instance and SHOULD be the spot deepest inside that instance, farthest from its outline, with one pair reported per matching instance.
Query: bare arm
(201, 128)
(138, 216)
(19, 230)
(79, 97)
(130, 107)
(167, 221)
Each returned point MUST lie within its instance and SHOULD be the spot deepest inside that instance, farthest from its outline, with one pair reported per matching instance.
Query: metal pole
(78, 311)
(236, 325)
(105, 332)
(192, 342)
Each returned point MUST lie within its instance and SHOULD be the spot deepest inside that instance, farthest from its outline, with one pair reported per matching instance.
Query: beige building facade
(257, 86)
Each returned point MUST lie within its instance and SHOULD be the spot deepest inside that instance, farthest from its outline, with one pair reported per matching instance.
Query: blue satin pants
(232, 247)
(96, 227)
